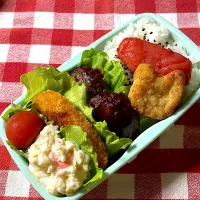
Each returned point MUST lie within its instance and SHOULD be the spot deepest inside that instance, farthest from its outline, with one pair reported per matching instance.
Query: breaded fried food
(59, 109)
(156, 96)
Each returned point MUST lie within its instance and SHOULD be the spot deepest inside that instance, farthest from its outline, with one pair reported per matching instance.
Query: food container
(140, 142)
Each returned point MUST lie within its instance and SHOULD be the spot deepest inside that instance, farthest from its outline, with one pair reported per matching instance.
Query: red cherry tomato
(23, 128)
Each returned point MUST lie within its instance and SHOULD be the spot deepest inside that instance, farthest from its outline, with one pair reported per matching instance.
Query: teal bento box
(142, 141)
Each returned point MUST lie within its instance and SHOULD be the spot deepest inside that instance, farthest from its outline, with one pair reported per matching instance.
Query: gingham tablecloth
(42, 32)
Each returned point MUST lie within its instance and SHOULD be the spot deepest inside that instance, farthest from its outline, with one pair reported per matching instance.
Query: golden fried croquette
(57, 108)
(156, 96)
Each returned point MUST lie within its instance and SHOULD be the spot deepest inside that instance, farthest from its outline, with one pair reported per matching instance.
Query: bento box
(142, 141)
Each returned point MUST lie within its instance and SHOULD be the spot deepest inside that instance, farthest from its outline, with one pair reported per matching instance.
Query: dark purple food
(115, 109)
(93, 79)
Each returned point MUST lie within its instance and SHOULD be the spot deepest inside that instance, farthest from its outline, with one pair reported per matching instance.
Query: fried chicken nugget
(57, 108)
(156, 96)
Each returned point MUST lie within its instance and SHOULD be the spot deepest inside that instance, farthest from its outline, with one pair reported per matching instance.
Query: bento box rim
(138, 145)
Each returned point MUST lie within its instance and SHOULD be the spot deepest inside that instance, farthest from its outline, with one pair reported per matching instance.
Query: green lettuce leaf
(73, 134)
(77, 95)
(112, 70)
(78, 137)
(94, 59)
(96, 172)
(27, 107)
(15, 108)
(42, 79)
(146, 122)
(115, 77)
(112, 142)
(18, 151)
(50, 78)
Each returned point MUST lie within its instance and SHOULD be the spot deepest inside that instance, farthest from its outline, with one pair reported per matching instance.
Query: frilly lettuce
(21, 152)
(112, 70)
(146, 122)
(50, 78)
(42, 79)
(78, 95)
(115, 77)
(27, 107)
(15, 108)
(39, 80)
(77, 136)
(112, 142)
(94, 59)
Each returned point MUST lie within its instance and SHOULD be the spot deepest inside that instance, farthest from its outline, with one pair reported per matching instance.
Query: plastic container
(140, 142)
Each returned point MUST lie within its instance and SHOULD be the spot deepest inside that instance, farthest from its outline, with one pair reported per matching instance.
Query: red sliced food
(23, 128)
(134, 51)
(59, 164)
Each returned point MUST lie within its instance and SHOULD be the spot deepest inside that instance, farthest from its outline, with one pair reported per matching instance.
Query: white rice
(147, 29)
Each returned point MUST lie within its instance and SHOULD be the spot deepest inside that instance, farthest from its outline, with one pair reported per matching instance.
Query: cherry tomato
(23, 128)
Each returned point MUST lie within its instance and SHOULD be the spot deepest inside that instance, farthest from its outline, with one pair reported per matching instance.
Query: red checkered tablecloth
(42, 32)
